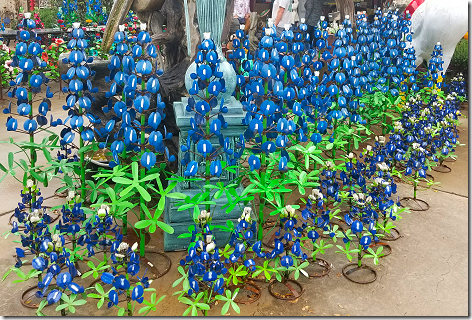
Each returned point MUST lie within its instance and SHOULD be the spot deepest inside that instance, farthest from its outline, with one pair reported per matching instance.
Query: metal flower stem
(384, 116)
(128, 298)
(315, 126)
(142, 238)
(63, 311)
(31, 136)
(350, 138)
(334, 137)
(207, 162)
(415, 185)
(260, 231)
(263, 168)
(125, 216)
(359, 255)
(82, 160)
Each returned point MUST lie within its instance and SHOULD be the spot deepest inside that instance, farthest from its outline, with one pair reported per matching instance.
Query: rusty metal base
(288, 284)
(392, 236)
(442, 168)
(157, 267)
(449, 159)
(348, 271)
(322, 263)
(248, 293)
(28, 298)
(418, 204)
(62, 194)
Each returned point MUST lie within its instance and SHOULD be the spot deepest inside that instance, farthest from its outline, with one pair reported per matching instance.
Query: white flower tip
(29, 183)
(317, 73)
(210, 247)
(268, 31)
(121, 27)
(346, 17)
(135, 246)
(206, 35)
(322, 18)
(407, 11)
(438, 44)
(27, 15)
(242, 26)
(142, 26)
(302, 20)
(287, 26)
(76, 25)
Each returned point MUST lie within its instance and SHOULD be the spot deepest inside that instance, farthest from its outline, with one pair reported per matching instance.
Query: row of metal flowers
(310, 103)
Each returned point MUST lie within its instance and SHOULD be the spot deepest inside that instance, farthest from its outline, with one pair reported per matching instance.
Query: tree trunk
(228, 19)
(346, 7)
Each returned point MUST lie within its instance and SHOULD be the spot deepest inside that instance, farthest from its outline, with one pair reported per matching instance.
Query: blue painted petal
(54, 296)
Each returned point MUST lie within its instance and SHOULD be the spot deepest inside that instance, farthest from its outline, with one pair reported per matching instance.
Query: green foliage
(460, 58)
(6, 74)
(51, 56)
(48, 17)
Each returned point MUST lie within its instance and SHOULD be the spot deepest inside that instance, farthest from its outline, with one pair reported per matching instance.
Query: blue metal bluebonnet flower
(79, 91)
(204, 264)
(140, 109)
(208, 122)
(28, 82)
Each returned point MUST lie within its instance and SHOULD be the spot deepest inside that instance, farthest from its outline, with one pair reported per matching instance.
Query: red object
(413, 6)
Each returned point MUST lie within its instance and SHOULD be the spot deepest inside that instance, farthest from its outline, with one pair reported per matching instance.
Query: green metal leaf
(165, 227)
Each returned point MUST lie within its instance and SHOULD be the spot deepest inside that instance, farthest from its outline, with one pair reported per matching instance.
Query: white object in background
(438, 20)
